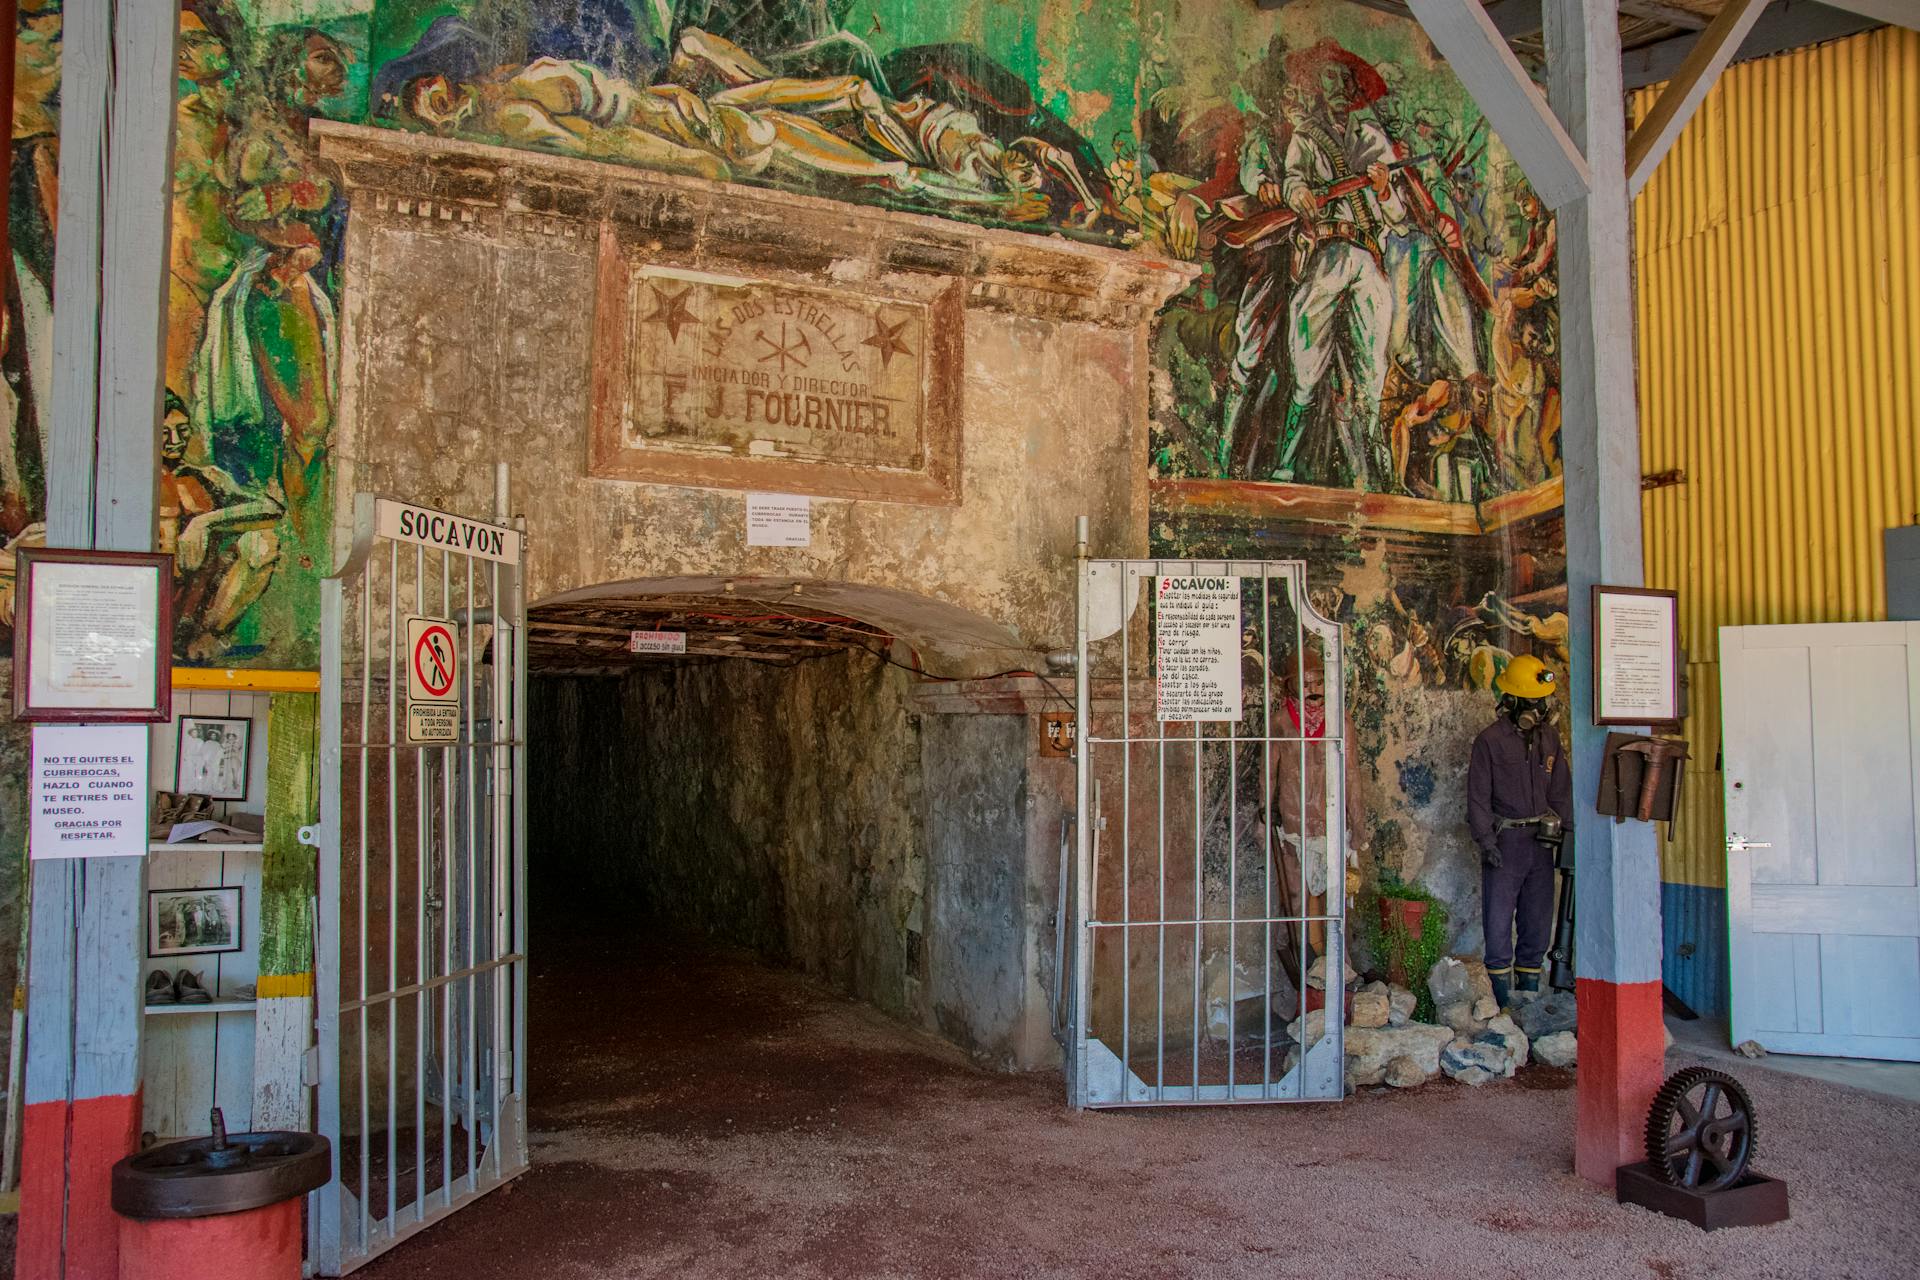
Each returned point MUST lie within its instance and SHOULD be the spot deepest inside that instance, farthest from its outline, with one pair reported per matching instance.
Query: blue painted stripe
(1693, 960)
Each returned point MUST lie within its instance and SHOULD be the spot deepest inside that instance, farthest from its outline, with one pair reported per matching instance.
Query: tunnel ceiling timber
(589, 637)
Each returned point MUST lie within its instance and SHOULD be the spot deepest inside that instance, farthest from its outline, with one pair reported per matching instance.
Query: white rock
(1376, 988)
(1400, 1005)
(1560, 1049)
(1486, 1008)
(1459, 1016)
(1406, 1072)
(1371, 1049)
(1449, 981)
(1317, 974)
(1510, 1038)
(1474, 1062)
(1370, 1009)
(1315, 1023)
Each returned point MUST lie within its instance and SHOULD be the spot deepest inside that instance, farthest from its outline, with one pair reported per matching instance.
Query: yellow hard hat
(1526, 677)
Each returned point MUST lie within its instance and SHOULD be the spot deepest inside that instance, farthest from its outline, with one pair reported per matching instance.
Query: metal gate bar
(463, 896)
(1115, 651)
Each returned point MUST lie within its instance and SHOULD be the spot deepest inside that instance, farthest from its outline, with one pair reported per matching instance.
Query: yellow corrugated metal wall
(1778, 268)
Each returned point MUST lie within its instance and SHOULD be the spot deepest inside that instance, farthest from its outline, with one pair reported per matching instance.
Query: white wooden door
(1821, 736)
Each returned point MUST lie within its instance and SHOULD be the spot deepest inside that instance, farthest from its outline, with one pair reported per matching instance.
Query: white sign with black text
(656, 642)
(1196, 648)
(404, 522)
(89, 791)
(779, 520)
(433, 670)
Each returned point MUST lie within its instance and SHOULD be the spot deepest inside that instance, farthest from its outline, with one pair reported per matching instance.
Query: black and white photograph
(191, 922)
(213, 756)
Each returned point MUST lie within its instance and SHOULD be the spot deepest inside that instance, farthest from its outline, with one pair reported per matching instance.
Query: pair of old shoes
(183, 987)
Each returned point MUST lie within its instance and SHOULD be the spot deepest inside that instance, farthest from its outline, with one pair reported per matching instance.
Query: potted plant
(1412, 934)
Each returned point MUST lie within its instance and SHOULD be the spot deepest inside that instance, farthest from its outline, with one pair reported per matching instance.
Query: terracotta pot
(1408, 914)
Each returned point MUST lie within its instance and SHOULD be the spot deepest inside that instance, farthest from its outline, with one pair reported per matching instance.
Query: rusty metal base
(1753, 1201)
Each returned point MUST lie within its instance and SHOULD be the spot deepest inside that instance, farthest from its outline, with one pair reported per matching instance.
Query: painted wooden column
(84, 1009)
(1617, 884)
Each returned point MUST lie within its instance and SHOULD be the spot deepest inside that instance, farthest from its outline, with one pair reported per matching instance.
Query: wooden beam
(1672, 15)
(87, 932)
(1617, 944)
(1898, 13)
(1515, 17)
(1479, 55)
(1685, 92)
(1781, 27)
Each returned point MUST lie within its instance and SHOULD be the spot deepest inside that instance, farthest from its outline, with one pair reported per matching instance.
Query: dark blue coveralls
(1516, 774)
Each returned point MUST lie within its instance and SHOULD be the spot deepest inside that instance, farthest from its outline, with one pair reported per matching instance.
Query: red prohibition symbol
(433, 661)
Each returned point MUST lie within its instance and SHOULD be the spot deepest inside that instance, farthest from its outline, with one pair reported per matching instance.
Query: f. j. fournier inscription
(777, 371)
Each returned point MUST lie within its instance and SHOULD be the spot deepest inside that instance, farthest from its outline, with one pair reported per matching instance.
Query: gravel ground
(705, 1116)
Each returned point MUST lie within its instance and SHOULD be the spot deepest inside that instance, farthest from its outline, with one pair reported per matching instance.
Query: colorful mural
(1364, 374)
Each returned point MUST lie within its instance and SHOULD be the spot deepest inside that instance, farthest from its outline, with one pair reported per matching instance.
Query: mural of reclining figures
(724, 113)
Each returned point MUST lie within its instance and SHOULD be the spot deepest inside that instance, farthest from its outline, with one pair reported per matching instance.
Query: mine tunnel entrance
(762, 779)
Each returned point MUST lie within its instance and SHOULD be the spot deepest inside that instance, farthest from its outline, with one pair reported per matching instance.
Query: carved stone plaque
(714, 380)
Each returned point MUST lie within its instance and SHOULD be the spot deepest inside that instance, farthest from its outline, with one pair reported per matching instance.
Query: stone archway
(498, 306)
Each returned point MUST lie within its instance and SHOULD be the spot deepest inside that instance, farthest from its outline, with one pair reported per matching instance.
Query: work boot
(1501, 993)
(160, 988)
(1526, 982)
(191, 990)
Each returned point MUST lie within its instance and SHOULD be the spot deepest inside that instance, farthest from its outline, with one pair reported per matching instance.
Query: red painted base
(1623, 1051)
(260, 1244)
(85, 1142)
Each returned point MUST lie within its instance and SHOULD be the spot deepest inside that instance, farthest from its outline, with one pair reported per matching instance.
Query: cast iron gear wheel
(1701, 1130)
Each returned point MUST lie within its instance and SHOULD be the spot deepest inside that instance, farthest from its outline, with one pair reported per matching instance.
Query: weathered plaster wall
(467, 336)
(777, 808)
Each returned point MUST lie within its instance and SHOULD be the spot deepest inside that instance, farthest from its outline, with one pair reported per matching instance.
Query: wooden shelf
(216, 1006)
(205, 846)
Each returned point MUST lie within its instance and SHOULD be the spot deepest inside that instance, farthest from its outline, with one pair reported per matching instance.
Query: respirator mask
(1529, 714)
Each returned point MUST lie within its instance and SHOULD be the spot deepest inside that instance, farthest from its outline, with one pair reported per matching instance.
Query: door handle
(1736, 845)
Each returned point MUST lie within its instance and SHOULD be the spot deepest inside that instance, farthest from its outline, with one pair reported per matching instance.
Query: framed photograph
(96, 629)
(212, 756)
(1636, 656)
(192, 922)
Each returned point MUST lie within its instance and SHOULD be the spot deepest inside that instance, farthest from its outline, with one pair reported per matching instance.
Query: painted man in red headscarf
(1339, 315)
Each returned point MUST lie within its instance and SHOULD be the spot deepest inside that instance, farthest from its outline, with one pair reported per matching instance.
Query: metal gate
(1210, 877)
(421, 975)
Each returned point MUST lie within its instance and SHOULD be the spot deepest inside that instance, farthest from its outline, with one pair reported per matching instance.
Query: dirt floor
(701, 1115)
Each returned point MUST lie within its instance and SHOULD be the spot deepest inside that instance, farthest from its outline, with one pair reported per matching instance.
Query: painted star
(886, 340)
(671, 310)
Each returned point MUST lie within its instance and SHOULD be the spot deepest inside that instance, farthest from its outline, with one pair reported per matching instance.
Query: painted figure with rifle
(1316, 287)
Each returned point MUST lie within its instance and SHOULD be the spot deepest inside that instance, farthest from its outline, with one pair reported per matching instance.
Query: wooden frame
(30, 615)
(234, 904)
(1606, 659)
(207, 785)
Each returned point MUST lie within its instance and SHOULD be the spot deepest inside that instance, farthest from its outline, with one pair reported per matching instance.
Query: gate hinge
(310, 1067)
(310, 835)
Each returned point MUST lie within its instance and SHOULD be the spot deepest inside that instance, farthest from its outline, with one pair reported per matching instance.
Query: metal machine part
(201, 1177)
(1701, 1130)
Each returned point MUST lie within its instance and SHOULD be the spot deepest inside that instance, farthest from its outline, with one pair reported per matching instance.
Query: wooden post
(1617, 944)
(110, 315)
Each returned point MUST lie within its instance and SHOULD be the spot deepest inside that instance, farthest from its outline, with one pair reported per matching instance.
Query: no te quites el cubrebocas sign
(433, 676)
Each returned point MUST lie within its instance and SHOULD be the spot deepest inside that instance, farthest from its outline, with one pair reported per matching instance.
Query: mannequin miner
(1518, 778)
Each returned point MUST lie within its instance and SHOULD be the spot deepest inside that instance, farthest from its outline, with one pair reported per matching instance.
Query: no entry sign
(433, 671)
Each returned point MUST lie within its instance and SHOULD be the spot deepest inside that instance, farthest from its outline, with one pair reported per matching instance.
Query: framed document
(93, 638)
(1636, 655)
